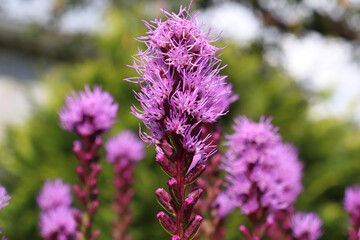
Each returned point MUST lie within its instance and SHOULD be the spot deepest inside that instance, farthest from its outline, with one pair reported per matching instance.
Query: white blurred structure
(320, 64)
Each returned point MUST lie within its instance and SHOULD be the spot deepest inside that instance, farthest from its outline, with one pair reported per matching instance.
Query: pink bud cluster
(123, 151)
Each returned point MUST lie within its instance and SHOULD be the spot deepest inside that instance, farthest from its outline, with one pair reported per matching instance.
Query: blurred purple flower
(4, 197)
(88, 112)
(224, 204)
(352, 200)
(306, 226)
(126, 146)
(262, 171)
(58, 223)
(54, 194)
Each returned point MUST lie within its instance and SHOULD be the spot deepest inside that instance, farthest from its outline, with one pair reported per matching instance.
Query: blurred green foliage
(30, 154)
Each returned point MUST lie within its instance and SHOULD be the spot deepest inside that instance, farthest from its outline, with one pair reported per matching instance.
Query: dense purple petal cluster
(88, 112)
(179, 78)
(57, 219)
(306, 226)
(58, 222)
(54, 194)
(126, 146)
(263, 172)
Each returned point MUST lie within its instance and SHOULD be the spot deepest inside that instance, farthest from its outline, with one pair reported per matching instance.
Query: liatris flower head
(262, 171)
(88, 112)
(179, 39)
(58, 223)
(54, 194)
(180, 76)
(4, 197)
(306, 226)
(126, 146)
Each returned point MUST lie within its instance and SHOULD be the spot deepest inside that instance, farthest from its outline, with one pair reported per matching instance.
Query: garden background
(297, 61)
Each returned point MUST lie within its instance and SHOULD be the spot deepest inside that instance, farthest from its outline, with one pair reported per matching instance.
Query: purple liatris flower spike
(263, 173)
(181, 90)
(88, 112)
(123, 151)
(54, 194)
(352, 206)
(306, 226)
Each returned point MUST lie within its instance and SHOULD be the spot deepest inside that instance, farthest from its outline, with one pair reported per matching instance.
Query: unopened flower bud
(193, 227)
(167, 223)
(165, 200)
(79, 193)
(93, 183)
(194, 174)
(80, 172)
(245, 232)
(95, 234)
(175, 190)
(167, 149)
(195, 194)
(96, 168)
(94, 194)
(166, 165)
(93, 207)
(186, 209)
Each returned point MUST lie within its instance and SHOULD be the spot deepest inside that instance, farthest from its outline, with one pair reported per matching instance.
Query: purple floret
(58, 223)
(126, 146)
(284, 180)
(306, 226)
(54, 194)
(88, 112)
